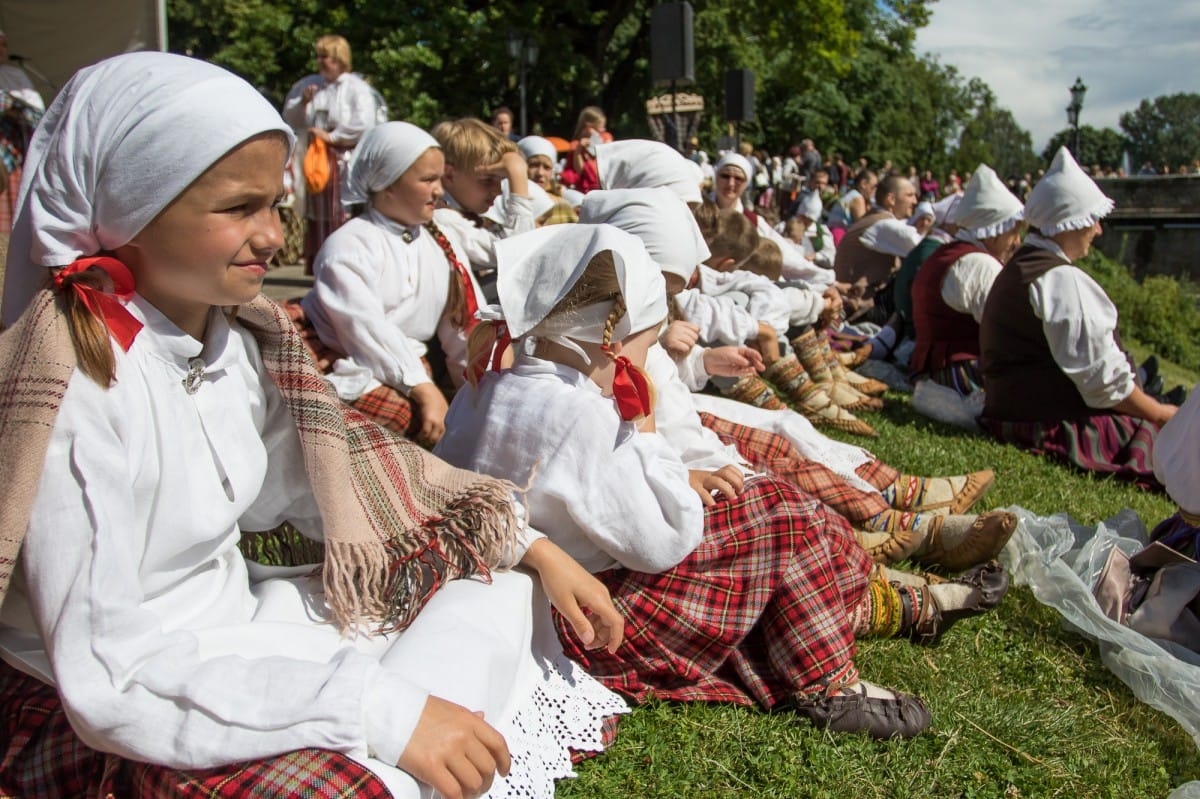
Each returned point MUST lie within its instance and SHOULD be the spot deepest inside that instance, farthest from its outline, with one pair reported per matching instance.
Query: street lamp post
(523, 50)
(1077, 93)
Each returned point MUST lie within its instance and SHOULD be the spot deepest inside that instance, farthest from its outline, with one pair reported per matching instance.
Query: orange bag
(316, 166)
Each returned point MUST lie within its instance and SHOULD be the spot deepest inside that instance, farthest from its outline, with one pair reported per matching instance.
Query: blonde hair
(335, 47)
(466, 143)
(731, 235)
(89, 333)
(746, 149)
(765, 260)
(590, 115)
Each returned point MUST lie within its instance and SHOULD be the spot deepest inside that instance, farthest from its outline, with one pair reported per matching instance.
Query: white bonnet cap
(384, 153)
(811, 206)
(537, 145)
(662, 221)
(734, 159)
(645, 164)
(987, 207)
(1066, 198)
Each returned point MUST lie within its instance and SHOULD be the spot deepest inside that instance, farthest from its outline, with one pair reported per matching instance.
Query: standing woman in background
(581, 172)
(336, 107)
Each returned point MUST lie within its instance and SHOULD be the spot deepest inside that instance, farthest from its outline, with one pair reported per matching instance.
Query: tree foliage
(1165, 130)
(1104, 147)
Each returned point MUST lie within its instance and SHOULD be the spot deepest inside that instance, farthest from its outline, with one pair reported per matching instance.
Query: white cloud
(1031, 52)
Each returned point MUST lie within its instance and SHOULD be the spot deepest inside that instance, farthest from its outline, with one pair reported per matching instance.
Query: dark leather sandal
(990, 579)
(903, 716)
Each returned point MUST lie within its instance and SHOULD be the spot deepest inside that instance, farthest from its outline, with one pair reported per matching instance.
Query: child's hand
(454, 750)
(431, 408)
(679, 338)
(513, 167)
(728, 480)
(733, 361)
(767, 342)
(577, 595)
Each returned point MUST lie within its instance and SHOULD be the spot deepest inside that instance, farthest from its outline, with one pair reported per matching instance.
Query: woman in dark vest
(952, 286)
(1057, 378)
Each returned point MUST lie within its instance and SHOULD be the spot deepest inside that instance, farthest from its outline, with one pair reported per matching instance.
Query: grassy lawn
(1021, 707)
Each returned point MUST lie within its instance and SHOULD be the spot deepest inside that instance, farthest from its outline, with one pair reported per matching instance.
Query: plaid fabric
(8, 203)
(1179, 534)
(40, 756)
(384, 405)
(561, 214)
(758, 613)
(877, 473)
(774, 454)
(962, 376)
(1107, 443)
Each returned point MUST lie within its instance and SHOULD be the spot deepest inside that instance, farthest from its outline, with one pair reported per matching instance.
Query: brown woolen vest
(1022, 380)
(944, 336)
(854, 260)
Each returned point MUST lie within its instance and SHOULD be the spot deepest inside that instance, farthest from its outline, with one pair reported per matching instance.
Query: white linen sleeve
(968, 282)
(720, 320)
(796, 265)
(804, 305)
(1177, 454)
(891, 236)
(295, 108)
(633, 501)
(478, 243)
(1079, 322)
(134, 685)
(691, 369)
(676, 419)
(346, 288)
(356, 113)
(766, 302)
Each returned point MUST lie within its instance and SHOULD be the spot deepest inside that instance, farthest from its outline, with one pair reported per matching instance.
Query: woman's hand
(728, 480)
(581, 599)
(679, 338)
(309, 91)
(733, 361)
(454, 750)
(320, 133)
(431, 408)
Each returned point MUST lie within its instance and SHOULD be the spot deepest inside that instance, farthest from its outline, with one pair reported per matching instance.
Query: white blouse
(761, 298)
(1079, 321)
(479, 241)
(379, 294)
(602, 490)
(720, 319)
(346, 108)
(164, 643)
(968, 282)
(14, 81)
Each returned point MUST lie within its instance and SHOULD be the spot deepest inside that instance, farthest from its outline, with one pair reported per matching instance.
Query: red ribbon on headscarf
(631, 390)
(120, 322)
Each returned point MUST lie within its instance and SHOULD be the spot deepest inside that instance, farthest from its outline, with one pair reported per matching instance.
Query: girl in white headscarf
(747, 599)
(1057, 379)
(134, 631)
(389, 282)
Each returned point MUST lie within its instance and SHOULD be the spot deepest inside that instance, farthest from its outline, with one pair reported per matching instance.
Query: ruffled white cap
(987, 207)
(384, 153)
(645, 164)
(536, 145)
(661, 220)
(536, 270)
(943, 209)
(1066, 198)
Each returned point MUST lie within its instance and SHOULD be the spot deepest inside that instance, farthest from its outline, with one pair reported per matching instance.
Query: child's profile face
(413, 197)
(472, 189)
(211, 245)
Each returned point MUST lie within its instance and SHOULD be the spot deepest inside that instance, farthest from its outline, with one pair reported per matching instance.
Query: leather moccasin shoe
(903, 716)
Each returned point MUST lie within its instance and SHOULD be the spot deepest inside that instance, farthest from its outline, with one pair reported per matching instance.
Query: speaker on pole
(672, 51)
(739, 95)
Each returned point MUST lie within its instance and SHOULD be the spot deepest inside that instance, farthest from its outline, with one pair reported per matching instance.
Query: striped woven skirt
(1107, 443)
(1178, 534)
(41, 756)
(757, 614)
(962, 376)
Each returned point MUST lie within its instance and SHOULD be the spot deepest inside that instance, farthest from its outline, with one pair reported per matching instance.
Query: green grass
(1021, 707)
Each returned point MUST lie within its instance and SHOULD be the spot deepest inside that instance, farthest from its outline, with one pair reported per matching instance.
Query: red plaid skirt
(40, 756)
(758, 613)
(768, 452)
(384, 405)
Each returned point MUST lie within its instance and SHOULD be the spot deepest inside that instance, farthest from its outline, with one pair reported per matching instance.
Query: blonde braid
(614, 316)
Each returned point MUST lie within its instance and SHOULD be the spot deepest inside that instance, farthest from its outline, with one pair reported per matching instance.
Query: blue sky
(1030, 52)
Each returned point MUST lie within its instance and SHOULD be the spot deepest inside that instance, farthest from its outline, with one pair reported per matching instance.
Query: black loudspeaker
(739, 95)
(672, 54)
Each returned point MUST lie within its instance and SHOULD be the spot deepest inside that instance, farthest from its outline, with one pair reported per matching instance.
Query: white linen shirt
(378, 299)
(968, 282)
(478, 241)
(602, 490)
(1079, 322)
(345, 108)
(796, 266)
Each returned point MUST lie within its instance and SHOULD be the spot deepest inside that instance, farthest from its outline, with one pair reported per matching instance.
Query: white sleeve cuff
(392, 706)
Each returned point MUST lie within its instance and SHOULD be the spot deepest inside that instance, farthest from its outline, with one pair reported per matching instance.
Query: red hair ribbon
(499, 343)
(631, 390)
(120, 322)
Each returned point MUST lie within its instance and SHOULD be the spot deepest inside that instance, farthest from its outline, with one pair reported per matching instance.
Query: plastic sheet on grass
(1060, 561)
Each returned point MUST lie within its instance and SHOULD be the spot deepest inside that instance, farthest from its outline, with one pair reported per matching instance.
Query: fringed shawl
(398, 521)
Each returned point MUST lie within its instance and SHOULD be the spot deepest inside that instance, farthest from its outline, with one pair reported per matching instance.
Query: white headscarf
(987, 207)
(645, 164)
(943, 209)
(384, 153)
(537, 269)
(540, 202)
(741, 162)
(811, 206)
(661, 220)
(122, 140)
(924, 208)
(536, 145)
(1066, 198)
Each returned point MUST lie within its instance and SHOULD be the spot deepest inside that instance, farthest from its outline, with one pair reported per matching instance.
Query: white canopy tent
(54, 38)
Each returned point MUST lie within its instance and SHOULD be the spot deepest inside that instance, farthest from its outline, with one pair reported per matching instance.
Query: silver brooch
(407, 236)
(195, 375)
